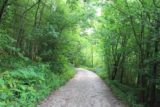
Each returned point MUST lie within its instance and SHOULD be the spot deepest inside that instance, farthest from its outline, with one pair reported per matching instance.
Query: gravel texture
(86, 89)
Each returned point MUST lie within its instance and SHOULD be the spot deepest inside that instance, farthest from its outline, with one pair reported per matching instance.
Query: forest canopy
(41, 41)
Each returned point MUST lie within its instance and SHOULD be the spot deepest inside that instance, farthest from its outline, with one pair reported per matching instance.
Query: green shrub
(122, 92)
(27, 86)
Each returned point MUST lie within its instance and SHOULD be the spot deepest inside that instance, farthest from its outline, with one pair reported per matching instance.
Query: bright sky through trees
(41, 41)
(98, 11)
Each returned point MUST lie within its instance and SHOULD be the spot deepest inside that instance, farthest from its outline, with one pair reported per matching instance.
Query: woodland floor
(86, 89)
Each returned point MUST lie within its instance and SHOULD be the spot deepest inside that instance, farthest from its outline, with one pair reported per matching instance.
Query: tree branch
(31, 7)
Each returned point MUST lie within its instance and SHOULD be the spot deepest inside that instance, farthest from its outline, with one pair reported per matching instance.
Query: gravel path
(86, 89)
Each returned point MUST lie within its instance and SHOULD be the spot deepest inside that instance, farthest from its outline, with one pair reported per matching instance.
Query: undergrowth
(124, 93)
(27, 86)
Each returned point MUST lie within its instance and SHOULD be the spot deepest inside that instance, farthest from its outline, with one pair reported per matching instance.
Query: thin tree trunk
(4, 5)
(154, 74)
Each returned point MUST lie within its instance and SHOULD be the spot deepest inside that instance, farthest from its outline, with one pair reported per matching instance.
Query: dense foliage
(41, 41)
(37, 41)
(27, 86)
(131, 30)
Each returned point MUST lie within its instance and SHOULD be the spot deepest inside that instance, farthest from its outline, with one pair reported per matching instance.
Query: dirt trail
(86, 89)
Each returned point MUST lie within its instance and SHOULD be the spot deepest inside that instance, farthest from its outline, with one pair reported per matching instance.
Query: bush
(122, 92)
(27, 86)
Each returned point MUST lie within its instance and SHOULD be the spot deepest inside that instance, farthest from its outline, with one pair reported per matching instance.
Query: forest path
(86, 89)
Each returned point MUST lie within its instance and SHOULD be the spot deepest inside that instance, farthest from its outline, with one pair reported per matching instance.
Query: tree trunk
(154, 76)
(4, 5)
